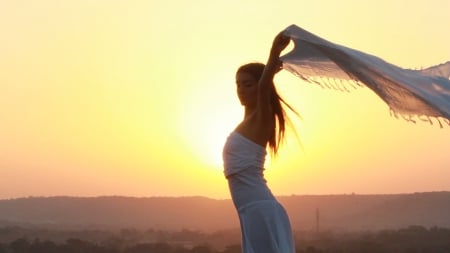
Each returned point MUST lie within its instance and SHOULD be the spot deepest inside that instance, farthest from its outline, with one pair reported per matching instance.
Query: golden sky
(137, 97)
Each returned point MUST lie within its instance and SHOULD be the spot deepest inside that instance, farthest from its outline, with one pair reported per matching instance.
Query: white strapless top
(240, 153)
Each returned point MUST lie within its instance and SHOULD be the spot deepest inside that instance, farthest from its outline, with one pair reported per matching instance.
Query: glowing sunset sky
(137, 97)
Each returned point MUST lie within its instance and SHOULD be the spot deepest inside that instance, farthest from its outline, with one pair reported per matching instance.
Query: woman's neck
(248, 111)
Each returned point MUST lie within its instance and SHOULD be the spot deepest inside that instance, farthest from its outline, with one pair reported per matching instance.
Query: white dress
(264, 223)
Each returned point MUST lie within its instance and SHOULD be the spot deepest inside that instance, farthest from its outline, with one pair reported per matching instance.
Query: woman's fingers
(280, 42)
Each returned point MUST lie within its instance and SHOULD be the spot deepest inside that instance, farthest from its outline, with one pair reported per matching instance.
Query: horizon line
(213, 198)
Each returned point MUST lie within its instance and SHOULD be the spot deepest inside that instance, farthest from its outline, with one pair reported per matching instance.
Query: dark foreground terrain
(407, 240)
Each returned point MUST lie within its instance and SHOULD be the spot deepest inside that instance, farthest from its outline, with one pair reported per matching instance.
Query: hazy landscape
(350, 212)
(116, 99)
(321, 223)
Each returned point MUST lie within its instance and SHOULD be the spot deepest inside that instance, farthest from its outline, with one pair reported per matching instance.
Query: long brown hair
(277, 102)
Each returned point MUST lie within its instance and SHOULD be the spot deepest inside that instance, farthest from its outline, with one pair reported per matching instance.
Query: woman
(264, 223)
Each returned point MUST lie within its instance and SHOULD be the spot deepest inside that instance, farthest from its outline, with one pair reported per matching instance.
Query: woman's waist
(241, 199)
(247, 191)
(231, 170)
(234, 170)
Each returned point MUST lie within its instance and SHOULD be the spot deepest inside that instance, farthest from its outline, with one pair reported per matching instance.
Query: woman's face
(246, 87)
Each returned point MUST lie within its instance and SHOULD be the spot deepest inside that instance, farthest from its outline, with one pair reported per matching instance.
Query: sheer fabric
(411, 94)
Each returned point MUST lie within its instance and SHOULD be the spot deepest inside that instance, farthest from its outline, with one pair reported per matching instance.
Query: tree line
(414, 239)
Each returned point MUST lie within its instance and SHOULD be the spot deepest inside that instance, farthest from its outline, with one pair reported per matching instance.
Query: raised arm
(273, 65)
(259, 125)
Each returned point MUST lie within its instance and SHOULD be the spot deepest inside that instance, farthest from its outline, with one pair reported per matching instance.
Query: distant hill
(339, 212)
(374, 212)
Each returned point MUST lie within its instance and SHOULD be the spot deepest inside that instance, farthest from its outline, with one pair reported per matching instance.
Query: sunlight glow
(137, 97)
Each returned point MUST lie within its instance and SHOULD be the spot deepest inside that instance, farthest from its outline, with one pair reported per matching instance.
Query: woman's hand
(279, 44)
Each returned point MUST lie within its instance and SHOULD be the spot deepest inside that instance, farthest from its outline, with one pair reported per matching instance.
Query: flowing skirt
(265, 228)
(264, 222)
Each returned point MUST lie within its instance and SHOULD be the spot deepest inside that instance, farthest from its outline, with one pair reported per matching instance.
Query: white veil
(411, 94)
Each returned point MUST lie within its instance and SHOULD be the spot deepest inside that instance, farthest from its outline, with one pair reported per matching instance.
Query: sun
(205, 122)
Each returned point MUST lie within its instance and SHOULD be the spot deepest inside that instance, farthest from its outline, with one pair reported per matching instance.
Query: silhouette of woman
(264, 222)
